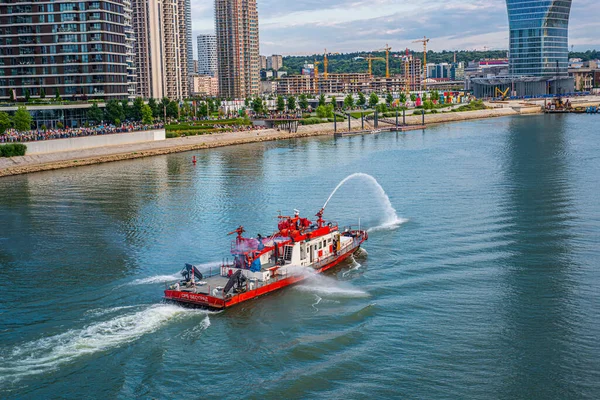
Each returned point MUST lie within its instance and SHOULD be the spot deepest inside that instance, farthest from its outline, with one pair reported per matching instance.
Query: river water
(489, 288)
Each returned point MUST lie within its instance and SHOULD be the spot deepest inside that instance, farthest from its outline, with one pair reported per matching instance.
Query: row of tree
(20, 121)
(291, 104)
(117, 112)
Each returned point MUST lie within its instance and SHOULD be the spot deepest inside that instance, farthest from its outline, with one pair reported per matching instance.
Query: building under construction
(344, 83)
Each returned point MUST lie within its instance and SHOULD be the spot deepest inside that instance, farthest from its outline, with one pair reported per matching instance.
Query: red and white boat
(260, 265)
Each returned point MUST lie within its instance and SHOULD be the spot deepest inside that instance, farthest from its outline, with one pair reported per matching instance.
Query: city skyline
(345, 26)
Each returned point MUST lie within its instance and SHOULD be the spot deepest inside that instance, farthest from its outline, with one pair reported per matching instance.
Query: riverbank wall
(90, 142)
(65, 159)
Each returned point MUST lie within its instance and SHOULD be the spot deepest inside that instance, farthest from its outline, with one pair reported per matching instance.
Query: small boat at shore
(298, 249)
(376, 131)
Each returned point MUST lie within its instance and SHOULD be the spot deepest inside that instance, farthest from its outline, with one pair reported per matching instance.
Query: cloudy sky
(309, 26)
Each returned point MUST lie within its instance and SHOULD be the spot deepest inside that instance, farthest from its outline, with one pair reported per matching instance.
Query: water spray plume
(392, 220)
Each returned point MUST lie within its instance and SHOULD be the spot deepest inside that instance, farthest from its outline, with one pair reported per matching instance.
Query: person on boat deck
(260, 242)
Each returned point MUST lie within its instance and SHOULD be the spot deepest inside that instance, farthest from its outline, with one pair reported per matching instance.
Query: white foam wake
(195, 332)
(203, 268)
(326, 286)
(155, 279)
(49, 353)
(98, 312)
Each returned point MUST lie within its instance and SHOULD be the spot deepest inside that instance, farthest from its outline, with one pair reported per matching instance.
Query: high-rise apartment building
(262, 62)
(130, 50)
(188, 36)
(207, 55)
(75, 49)
(538, 37)
(161, 48)
(236, 23)
(275, 62)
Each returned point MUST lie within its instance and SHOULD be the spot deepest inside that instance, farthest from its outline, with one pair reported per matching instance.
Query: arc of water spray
(392, 218)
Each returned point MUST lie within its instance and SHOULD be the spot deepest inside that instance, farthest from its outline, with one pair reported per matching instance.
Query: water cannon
(239, 231)
(320, 220)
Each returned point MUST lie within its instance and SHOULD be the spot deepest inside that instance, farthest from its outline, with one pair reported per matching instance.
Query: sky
(305, 27)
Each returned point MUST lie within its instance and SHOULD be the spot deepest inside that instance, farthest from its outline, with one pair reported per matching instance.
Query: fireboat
(298, 249)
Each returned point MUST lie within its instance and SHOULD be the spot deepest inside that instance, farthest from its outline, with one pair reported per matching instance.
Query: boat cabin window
(329, 240)
(320, 245)
(287, 254)
(302, 251)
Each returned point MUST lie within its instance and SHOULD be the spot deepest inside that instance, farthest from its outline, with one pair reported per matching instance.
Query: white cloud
(291, 26)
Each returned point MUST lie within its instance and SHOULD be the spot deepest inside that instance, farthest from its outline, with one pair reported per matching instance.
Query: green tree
(321, 112)
(435, 95)
(113, 112)
(94, 114)
(136, 109)
(22, 120)
(214, 106)
(280, 104)
(402, 98)
(154, 107)
(303, 103)
(146, 113)
(413, 97)
(257, 105)
(349, 101)
(27, 95)
(291, 103)
(389, 99)
(127, 110)
(203, 109)
(322, 100)
(42, 93)
(186, 109)
(329, 111)
(173, 109)
(333, 102)
(373, 100)
(361, 99)
(325, 111)
(4, 122)
(56, 95)
(12, 95)
(247, 101)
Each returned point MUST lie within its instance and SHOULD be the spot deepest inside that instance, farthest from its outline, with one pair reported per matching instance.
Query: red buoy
(194, 160)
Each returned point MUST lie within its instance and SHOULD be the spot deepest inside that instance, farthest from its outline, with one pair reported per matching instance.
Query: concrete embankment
(65, 159)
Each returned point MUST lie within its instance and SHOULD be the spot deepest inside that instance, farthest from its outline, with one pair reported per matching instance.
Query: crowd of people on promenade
(13, 136)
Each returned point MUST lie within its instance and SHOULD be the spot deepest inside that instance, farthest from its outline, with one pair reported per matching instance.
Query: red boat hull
(203, 300)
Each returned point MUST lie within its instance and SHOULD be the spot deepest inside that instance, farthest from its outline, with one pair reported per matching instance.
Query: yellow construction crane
(424, 41)
(317, 76)
(370, 58)
(387, 49)
(407, 58)
(326, 63)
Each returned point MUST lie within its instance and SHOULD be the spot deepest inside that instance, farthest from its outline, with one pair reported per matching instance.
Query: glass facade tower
(539, 37)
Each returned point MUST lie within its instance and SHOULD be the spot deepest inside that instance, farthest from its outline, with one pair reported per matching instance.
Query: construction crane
(316, 80)
(387, 49)
(370, 58)
(424, 41)
(326, 63)
(406, 72)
